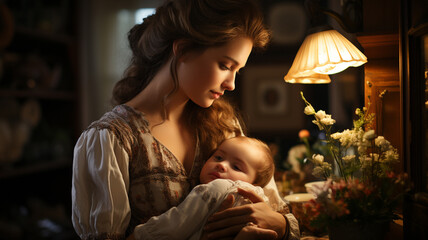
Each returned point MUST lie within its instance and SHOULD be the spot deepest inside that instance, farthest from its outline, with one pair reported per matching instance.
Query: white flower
(366, 161)
(369, 135)
(374, 156)
(391, 156)
(309, 110)
(318, 124)
(349, 138)
(336, 135)
(321, 118)
(362, 149)
(320, 114)
(355, 152)
(318, 159)
(327, 120)
(382, 143)
(348, 158)
(323, 170)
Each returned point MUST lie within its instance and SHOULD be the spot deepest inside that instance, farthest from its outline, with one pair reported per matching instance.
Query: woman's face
(235, 159)
(203, 77)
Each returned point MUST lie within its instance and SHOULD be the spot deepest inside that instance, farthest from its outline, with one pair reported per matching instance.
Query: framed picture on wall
(269, 103)
(288, 22)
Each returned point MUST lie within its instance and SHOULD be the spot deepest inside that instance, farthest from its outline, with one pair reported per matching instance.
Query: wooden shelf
(39, 93)
(35, 168)
(43, 35)
(39, 65)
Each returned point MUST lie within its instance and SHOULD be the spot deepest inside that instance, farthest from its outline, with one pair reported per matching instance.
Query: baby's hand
(227, 203)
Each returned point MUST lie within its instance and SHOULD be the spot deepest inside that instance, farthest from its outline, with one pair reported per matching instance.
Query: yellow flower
(357, 111)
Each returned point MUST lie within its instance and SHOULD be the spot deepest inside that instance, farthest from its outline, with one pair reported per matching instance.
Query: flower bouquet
(361, 188)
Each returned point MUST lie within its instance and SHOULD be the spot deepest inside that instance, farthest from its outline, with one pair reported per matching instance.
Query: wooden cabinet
(39, 116)
(382, 87)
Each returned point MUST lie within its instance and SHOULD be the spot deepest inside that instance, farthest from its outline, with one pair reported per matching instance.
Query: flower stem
(372, 165)
(333, 153)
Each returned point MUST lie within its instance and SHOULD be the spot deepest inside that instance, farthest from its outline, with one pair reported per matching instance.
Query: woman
(144, 156)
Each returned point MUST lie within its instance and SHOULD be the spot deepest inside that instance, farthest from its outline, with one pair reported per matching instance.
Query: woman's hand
(256, 233)
(229, 222)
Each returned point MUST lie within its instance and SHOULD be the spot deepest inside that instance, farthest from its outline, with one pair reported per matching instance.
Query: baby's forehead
(248, 144)
(242, 139)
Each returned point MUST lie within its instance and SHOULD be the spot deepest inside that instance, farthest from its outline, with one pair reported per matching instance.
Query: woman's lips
(216, 95)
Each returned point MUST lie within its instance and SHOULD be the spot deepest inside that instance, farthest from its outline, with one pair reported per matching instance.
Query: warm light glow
(315, 78)
(326, 52)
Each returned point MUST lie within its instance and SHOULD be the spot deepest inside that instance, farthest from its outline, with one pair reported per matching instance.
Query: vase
(375, 230)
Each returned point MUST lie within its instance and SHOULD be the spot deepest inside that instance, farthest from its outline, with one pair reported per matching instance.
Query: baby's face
(235, 159)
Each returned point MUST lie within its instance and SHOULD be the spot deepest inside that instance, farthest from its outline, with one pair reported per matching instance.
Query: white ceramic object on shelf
(299, 197)
(314, 187)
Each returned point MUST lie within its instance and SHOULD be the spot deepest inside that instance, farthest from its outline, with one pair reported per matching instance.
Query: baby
(239, 162)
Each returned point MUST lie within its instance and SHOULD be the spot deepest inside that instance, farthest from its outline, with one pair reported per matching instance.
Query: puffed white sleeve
(100, 183)
(186, 220)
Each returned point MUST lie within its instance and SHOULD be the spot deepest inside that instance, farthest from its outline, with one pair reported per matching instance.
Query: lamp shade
(315, 78)
(326, 52)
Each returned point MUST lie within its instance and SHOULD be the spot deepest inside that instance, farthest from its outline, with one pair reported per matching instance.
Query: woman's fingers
(226, 223)
(230, 221)
(232, 230)
(230, 213)
(250, 195)
(256, 233)
(258, 213)
(225, 210)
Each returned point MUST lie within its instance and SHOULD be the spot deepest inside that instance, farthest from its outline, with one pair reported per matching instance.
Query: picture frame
(268, 102)
(288, 22)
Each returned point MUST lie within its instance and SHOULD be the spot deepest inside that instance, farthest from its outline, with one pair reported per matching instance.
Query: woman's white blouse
(122, 176)
(101, 178)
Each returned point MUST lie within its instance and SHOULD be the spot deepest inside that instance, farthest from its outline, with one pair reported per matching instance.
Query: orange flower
(304, 133)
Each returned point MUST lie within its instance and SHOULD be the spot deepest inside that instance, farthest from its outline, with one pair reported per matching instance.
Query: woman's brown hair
(198, 24)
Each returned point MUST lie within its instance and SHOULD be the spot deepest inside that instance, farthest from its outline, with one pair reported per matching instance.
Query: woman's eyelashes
(225, 67)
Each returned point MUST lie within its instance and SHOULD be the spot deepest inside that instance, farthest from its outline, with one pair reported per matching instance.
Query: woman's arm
(100, 208)
(187, 219)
